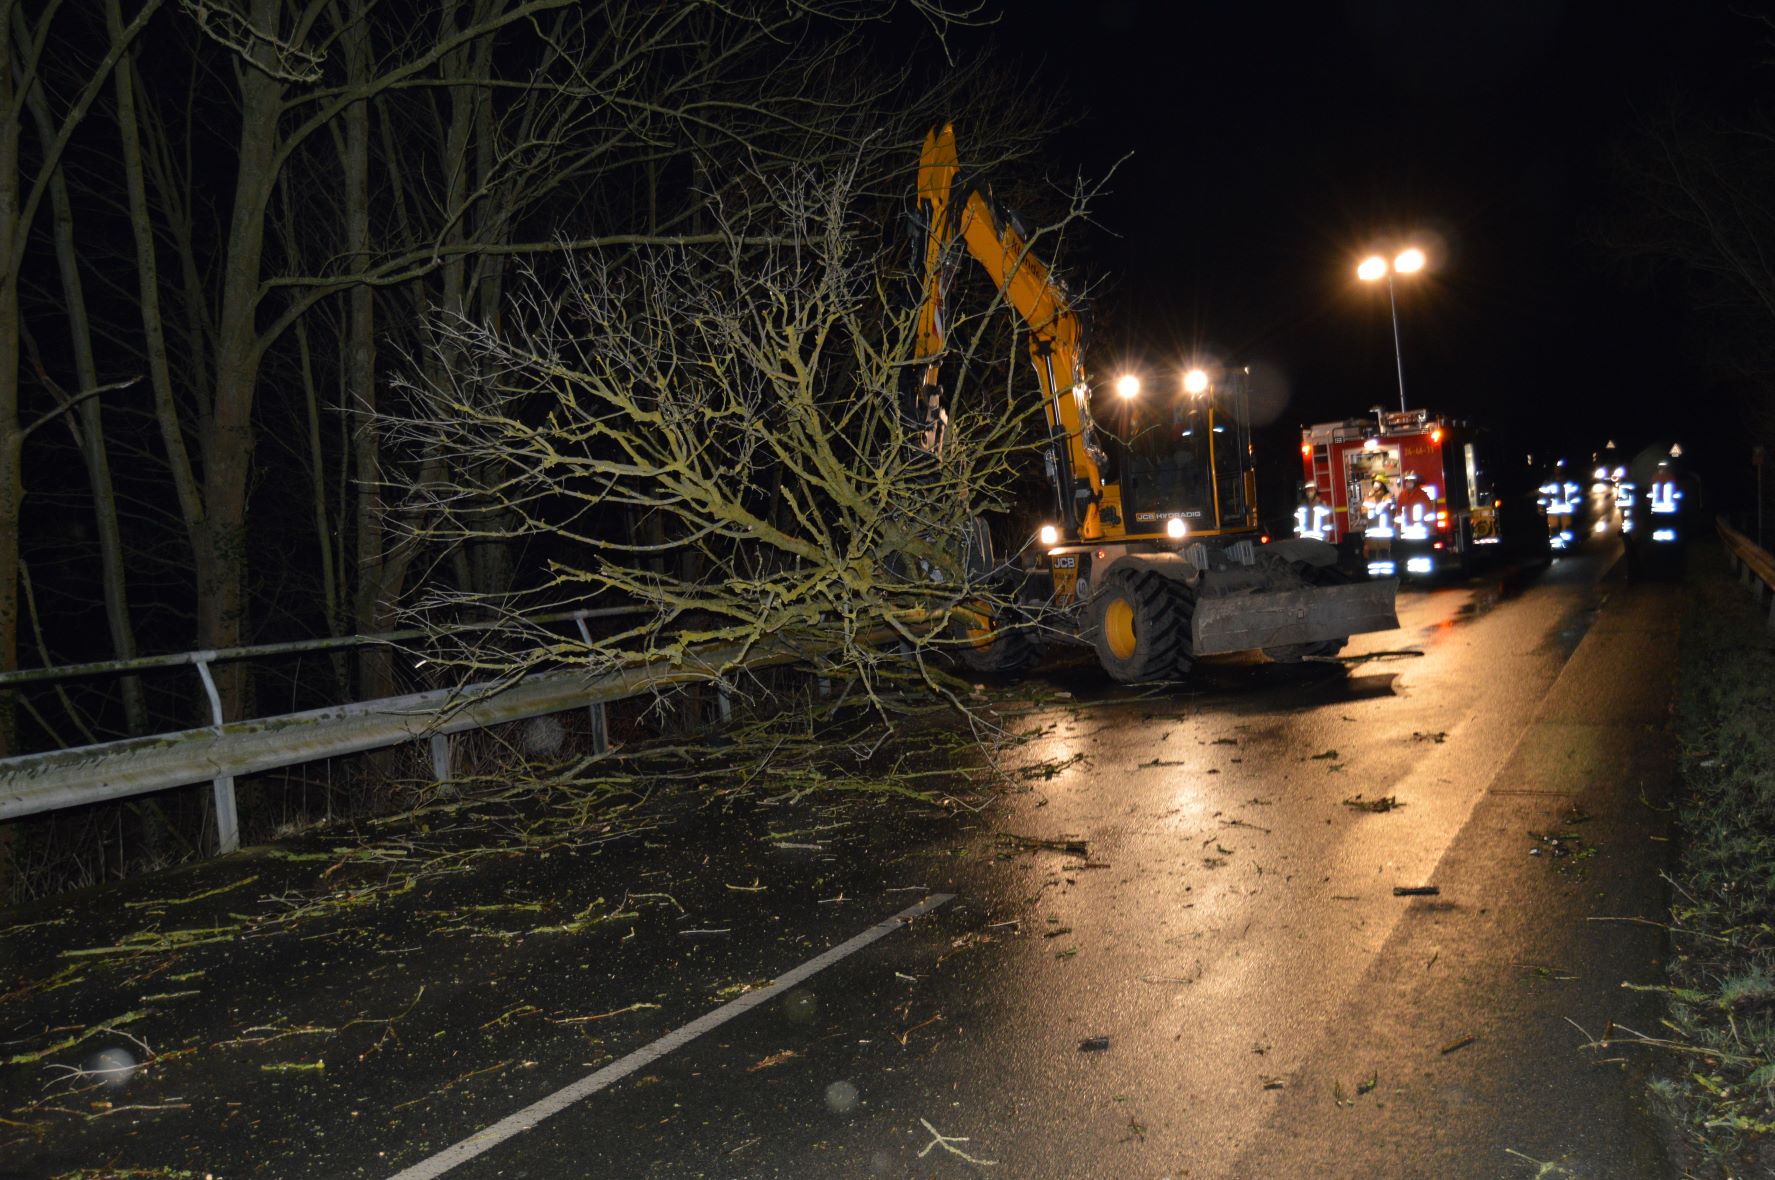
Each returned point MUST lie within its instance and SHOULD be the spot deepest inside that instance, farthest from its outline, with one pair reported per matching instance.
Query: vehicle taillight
(1442, 520)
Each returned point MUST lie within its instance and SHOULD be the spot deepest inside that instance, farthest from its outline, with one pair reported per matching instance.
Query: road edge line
(512, 1125)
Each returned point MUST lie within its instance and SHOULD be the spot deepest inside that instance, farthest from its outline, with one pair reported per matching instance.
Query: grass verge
(1720, 1018)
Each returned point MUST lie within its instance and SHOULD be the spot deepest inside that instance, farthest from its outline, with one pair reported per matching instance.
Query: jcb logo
(1066, 563)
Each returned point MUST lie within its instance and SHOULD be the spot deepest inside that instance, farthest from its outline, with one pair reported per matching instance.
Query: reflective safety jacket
(1380, 517)
(1417, 512)
(1313, 520)
(1559, 499)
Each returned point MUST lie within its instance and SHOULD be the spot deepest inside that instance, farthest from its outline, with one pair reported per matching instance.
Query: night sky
(1275, 144)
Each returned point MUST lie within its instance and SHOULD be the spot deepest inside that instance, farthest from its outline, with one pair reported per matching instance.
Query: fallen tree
(720, 430)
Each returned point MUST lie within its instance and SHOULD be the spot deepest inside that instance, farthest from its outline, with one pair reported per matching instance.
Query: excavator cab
(1174, 454)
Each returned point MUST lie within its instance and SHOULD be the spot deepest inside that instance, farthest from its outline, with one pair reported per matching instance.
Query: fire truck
(1413, 493)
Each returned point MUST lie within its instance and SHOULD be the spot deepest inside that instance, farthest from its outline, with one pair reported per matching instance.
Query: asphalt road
(1227, 985)
(1220, 981)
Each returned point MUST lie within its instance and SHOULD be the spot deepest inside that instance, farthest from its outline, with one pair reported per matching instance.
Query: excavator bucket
(1281, 618)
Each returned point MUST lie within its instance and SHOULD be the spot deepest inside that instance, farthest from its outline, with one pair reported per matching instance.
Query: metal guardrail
(1754, 565)
(293, 647)
(135, 766)
(218, 753)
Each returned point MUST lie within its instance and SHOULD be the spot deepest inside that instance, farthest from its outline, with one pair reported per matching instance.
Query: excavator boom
(1055, 332)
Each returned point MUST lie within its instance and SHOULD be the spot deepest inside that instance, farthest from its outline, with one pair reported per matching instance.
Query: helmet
(1410, 477)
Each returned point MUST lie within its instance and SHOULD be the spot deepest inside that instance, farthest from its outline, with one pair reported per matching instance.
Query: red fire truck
(1413, 493)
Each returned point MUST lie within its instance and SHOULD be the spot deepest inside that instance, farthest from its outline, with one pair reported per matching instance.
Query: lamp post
(1408, 262)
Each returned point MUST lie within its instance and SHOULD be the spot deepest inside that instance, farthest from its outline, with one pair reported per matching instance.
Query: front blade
(1278, 618)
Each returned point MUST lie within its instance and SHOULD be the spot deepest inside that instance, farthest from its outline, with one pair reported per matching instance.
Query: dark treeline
(229, 230)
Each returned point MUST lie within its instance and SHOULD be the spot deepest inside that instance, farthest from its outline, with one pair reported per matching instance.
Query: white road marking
(490, 1137)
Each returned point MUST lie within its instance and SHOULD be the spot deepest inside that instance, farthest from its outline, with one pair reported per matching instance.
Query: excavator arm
(1040, 301)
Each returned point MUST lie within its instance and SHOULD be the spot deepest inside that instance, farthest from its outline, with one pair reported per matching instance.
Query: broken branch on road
(1073, 845)
(947, 1143)
(1383, 804)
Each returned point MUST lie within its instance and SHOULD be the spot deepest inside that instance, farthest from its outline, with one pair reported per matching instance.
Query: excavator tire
(1294, 653)
(988, 641)
(1139, 624)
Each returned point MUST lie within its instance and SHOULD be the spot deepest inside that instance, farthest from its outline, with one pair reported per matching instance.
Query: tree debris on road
(1072, 845)
(1384, 803)
(947, 1143)
(776, 1058)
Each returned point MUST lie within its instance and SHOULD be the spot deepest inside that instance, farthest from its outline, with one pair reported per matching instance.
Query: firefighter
(1313, 517)
(1662, 519)
(1415, 509)
(1560, 499)
(1378, 506)
(1377, 538)
(1665, 493)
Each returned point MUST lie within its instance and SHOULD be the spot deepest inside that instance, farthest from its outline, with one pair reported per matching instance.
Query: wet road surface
(1175, 951)
(1226, 985)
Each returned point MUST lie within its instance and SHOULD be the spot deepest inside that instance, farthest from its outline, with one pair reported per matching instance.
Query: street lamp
(1408, 262)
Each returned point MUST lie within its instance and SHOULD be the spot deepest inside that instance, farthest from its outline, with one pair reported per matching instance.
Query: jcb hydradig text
(1154, 555)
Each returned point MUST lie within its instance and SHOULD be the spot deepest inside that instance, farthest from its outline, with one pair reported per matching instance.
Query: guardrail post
(600, 728)
(222, 788)
(440, 757)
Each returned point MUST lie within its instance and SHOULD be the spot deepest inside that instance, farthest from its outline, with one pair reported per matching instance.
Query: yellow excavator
(1153, 555)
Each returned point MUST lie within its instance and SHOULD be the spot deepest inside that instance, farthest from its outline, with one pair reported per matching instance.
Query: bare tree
(85, 416)
(750, 394)
(1699, 198)
(24, 54)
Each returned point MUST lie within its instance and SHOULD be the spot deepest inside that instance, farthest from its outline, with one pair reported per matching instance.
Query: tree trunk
(11, 437)
(221, 558)
(91, 434)
(375, 663)
(160, 380)
(317, 496)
